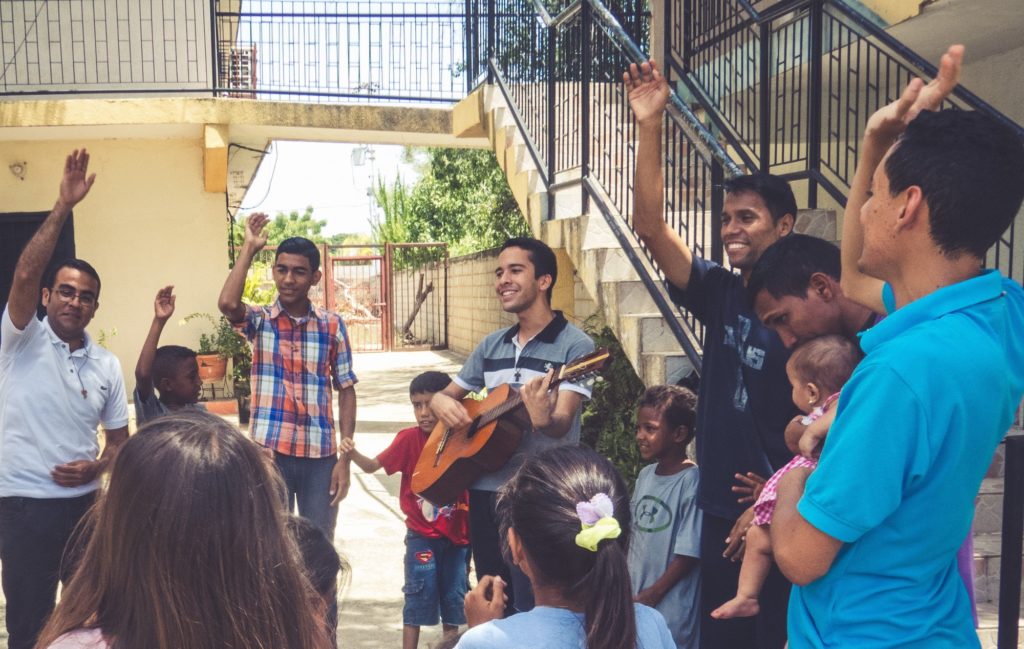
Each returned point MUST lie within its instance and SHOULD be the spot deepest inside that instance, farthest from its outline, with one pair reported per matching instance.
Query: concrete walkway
(371, 528)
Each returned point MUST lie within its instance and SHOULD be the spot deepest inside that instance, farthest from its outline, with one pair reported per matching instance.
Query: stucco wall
(146, 223)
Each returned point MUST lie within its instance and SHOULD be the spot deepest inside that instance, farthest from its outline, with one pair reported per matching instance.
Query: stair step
(988, 625)
(665, 367)
(653, 333)
(987, 563)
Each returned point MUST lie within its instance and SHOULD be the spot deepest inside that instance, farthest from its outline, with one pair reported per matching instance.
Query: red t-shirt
(421, 516)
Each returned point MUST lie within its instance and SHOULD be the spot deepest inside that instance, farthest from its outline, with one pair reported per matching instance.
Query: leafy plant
(609, 418)
(461, 198)
(227, 343)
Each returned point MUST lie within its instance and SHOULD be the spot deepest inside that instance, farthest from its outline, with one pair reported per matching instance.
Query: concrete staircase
(599, 261)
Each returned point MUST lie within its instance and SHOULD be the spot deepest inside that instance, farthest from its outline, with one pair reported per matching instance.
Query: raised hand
(76, 182)
(891, 120)
(163, 305)
(255, 230)
(647, 90)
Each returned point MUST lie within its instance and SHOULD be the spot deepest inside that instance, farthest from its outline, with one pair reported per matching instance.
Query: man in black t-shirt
(745, 399)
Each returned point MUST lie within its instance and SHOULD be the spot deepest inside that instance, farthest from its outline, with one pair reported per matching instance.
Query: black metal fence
(312, 50)
(791, 88)
(561, 76)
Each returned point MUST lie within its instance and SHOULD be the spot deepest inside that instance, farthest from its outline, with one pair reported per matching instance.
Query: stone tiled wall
(473, 310)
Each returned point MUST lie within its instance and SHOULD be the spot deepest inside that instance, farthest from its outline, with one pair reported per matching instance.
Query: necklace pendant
(516, 376)
(85, 393)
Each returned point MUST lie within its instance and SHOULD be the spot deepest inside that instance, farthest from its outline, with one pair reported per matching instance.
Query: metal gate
(391, 296)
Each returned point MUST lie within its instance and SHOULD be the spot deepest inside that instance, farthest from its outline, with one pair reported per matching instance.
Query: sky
(297, 174)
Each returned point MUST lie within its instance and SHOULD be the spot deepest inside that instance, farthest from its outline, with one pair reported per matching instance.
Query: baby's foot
(738, 606)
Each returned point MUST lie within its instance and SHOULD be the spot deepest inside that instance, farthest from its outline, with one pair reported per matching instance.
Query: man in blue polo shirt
(523, 356)
(871, 536)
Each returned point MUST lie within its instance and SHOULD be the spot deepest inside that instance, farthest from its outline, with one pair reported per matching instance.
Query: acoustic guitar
(453, 458)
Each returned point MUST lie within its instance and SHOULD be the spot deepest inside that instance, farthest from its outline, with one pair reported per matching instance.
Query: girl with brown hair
(189, 547)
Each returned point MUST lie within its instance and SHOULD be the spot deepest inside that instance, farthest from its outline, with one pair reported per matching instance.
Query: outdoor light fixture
(19, 169)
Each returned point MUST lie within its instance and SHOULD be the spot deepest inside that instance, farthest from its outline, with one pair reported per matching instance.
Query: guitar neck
(510, 404)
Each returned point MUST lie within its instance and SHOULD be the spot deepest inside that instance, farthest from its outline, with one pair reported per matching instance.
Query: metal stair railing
(791, 88)
(561, 77)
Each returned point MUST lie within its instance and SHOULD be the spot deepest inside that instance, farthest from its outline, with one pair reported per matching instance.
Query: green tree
(284, 226)
(608, 424)
(463, 199)
(393, 225)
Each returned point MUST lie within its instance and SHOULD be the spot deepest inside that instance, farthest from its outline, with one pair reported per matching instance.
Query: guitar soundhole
(472, 428)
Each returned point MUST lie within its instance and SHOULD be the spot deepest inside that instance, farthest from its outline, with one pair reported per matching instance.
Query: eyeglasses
(68, 294)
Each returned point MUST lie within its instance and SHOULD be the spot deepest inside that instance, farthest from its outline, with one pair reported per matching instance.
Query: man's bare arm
(341, 475)
(82, 472)
(446, 405)
(803, 552)
(74, 186)
(883, 129)
(648, 95)
(551, 411)
(230, 300)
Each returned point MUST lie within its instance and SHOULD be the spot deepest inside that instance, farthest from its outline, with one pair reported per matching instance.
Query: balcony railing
(288, 50)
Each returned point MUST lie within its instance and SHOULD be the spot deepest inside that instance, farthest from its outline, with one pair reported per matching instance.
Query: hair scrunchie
(598, 522)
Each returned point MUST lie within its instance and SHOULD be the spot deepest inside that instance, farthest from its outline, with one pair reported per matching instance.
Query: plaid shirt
(295, 363)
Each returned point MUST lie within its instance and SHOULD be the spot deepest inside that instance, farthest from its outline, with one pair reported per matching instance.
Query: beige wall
(146, 223)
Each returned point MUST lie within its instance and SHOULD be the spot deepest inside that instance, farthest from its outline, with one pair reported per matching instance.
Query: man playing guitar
(524, 355)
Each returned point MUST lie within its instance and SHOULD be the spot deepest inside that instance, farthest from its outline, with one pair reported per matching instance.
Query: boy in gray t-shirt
(664, 553)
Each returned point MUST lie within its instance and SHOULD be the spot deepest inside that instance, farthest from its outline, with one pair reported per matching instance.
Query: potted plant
(215, 349)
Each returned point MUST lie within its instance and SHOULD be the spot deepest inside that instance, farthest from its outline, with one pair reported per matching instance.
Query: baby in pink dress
(817, 370)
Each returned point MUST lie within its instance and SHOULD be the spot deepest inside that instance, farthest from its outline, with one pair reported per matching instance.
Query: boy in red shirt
(437, 542)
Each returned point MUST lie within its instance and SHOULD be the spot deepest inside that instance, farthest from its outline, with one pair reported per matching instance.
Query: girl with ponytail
(565, 516)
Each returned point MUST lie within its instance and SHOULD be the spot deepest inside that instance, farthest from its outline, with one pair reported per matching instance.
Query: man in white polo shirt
(56, 387)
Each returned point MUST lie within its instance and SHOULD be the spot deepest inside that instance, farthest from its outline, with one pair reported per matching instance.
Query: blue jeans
(37, 550)
(436, 581)
(308, 481)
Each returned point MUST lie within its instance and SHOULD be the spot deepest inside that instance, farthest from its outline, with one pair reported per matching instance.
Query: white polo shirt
(44, 418)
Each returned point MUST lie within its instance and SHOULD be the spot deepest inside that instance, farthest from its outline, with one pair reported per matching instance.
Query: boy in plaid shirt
(301, 356)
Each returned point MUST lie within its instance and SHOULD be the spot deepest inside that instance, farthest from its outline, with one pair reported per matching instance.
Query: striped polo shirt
(499, 359)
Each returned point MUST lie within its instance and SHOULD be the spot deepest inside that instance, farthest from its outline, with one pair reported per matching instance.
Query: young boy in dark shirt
(437, 541)
(171, 370)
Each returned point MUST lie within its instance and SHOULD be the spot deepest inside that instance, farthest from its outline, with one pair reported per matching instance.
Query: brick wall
(473, 310)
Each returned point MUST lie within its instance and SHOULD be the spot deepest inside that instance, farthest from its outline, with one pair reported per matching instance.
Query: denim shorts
(436, 581)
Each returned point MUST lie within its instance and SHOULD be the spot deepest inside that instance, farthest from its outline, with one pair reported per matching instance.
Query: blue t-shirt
(745, 399)
(914, 434)
(557, 628)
